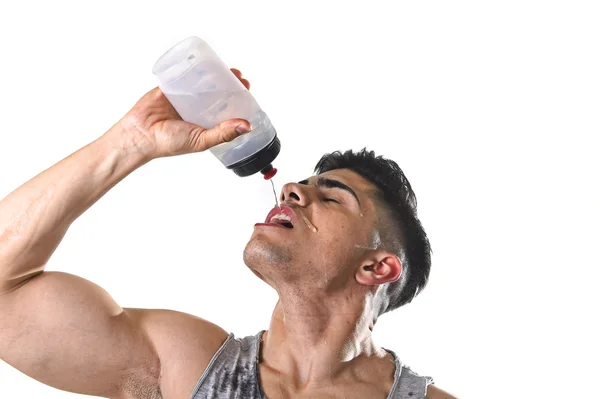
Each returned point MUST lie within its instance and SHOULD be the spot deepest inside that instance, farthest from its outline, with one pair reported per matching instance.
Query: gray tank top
(233, 373)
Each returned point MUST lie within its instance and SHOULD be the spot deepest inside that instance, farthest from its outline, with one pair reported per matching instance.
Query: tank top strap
(232, 372)
(407, 383)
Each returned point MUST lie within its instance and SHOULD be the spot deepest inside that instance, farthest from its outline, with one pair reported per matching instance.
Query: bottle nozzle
(268, 172)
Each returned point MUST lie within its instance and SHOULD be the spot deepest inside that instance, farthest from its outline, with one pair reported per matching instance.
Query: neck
(314, 338)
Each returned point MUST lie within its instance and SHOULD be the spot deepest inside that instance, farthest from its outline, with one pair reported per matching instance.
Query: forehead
(350, 177)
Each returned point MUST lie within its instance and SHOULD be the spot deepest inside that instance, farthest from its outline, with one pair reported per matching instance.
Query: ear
(380, 268)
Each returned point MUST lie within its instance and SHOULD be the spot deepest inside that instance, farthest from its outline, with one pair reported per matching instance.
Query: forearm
(35, 217)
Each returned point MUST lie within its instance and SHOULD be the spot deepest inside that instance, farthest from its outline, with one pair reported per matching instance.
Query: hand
(154, 128)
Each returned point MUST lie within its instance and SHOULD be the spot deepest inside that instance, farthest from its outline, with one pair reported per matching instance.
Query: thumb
(203, 139)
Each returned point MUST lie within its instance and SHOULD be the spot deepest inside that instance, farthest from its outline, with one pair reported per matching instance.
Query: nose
(296, 193)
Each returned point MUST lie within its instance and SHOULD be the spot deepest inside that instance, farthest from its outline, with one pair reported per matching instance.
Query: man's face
(332, 214)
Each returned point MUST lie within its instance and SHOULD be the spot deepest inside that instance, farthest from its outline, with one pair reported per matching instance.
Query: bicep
(67, 332)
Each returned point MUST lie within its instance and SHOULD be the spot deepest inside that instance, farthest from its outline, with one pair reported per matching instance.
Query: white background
(491, 109)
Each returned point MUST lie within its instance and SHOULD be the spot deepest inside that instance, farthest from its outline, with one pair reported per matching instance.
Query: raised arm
(64, 330)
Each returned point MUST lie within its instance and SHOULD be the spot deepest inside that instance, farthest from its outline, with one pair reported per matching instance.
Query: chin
(261, 256)
(260, 252)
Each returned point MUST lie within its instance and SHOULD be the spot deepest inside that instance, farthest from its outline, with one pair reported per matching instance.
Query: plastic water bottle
(205, 92)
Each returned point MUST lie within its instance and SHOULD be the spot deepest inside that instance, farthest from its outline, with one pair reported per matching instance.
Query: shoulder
(434, 392)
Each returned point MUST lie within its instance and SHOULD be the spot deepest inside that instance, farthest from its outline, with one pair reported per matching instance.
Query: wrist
(129, 143)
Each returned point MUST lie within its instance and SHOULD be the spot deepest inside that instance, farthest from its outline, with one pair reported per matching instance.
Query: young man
(345, 247)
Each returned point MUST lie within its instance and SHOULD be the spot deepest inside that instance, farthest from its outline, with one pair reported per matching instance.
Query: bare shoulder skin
(434, 392)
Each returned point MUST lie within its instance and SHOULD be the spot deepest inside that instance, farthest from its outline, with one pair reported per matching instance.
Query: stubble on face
(258, 253)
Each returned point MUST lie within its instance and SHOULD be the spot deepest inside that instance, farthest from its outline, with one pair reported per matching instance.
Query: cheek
(339, 236)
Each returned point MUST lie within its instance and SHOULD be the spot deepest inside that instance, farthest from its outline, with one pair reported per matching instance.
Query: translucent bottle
(205, 92)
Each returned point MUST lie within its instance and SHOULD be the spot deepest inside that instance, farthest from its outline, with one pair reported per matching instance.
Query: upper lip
(283, 210)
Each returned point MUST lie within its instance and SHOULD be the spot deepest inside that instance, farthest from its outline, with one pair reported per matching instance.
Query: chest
(276, 386)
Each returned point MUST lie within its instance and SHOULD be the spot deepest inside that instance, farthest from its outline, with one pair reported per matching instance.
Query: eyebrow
(324, 182)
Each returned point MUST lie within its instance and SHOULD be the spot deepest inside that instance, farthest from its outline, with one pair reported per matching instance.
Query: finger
(222, 133)
(238, 75)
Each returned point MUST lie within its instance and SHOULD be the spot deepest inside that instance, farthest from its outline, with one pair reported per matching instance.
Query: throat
(315, 347)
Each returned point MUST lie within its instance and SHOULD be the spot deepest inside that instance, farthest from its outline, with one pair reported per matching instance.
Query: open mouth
(283, 216)
(283, 223)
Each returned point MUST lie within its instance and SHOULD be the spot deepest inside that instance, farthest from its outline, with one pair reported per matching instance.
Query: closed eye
(323, 182)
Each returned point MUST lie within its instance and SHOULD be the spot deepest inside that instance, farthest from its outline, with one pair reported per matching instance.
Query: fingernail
(242, 129)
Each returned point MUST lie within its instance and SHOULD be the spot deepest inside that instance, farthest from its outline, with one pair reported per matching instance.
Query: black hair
(402, 231)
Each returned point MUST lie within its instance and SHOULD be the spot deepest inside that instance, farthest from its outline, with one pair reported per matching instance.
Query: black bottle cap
(259, 161)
